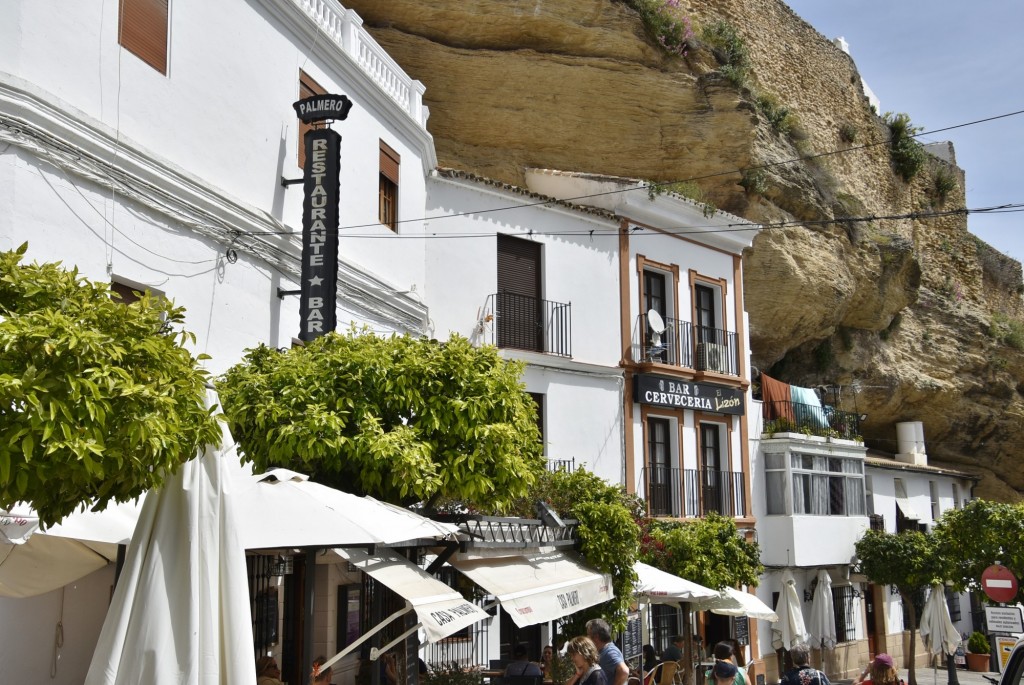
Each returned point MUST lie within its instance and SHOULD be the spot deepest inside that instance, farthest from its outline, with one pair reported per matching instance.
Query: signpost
(999, 583)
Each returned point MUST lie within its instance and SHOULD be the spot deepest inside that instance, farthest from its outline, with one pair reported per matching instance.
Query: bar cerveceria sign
(667, 391)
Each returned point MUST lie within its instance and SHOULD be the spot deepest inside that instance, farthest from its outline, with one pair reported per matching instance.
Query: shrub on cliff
(906, 153)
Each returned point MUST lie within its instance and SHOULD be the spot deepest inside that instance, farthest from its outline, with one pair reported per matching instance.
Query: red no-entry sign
(999, 583)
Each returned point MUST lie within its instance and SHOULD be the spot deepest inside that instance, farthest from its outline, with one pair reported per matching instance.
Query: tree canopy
(608, 534)
(98, 399)
(708, 551)
(400, 418)
(910, 562)
(977, 536)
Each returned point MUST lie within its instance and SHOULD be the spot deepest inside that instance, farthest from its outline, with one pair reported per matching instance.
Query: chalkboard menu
(632, 647)
(741, 630)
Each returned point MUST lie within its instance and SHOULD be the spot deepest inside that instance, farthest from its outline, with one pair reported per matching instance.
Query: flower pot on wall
(977, 662)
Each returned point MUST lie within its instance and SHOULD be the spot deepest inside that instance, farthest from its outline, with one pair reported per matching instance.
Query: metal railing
(529, 323)
(781, 416)
(675, 493)
(876, 522)
(673, 346)
(715, 350)
(661, 490)
(716, 491)
(555, 465)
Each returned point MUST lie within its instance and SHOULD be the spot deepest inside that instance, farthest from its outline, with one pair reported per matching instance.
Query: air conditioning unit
(712, 357)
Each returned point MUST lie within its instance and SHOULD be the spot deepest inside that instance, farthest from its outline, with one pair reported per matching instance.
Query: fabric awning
(903, 502)
(538, 588)
(659, 587)
(733, 602)
(440, 609)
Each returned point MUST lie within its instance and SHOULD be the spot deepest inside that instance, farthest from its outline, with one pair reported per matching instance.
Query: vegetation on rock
(907, 155)
(667, 23)
(99, 400)
(730, 50)
(402, 419)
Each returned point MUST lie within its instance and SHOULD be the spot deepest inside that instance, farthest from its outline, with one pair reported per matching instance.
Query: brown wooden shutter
(142, 30)
(307, 88)
(518, 266)
(389, 162)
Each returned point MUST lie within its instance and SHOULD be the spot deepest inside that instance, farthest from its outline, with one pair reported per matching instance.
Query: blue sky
(946, 63)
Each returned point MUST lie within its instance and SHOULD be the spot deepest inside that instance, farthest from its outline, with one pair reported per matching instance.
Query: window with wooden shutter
(389, 163)
(142, 30)
(307, 88)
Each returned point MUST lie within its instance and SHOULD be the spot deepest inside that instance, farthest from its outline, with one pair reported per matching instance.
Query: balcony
(556, 465)
(528, 323)
(824, 421)
(677, 493)
(684, 345)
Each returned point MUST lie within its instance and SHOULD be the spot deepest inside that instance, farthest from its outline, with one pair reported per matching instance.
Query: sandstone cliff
(915, 313)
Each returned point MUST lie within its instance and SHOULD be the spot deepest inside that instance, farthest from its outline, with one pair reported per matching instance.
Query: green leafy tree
(708, 551)
(977, 536)
(402, 419)
(99, 401)
(608, 535)
(908, 561)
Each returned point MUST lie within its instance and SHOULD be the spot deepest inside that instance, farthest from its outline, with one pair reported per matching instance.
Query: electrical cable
(648, 186)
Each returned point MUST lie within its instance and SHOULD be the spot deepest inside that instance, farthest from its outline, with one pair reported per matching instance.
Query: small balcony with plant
(522, 322)
(823, 421)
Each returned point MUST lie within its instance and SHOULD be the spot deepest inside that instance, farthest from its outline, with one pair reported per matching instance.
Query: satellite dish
(657, 325)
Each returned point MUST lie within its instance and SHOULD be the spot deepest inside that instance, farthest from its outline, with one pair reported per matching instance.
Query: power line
(663, 184)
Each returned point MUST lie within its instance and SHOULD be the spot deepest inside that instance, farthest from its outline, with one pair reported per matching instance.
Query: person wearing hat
(881, 671)
(723, 652)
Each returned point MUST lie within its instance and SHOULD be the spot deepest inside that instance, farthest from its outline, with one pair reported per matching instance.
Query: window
(844, 603)
(127, 293)
(520, 323)
(349, 616)
(827, 486)
(869, 495)
(389, 162)
(716, 483)
(666, 625)
(142, 31)
(956, 496)
(933, 492)
(775, 483)
(307, 89)
(953, 604)
(659, 467)
(704, 304)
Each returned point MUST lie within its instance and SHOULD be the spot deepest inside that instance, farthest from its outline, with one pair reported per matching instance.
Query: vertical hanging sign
(320, 215)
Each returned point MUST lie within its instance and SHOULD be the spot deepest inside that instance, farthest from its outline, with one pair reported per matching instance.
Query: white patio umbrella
(732, 602)
(33, 562)
(790, 629)
(822, 625)
(180, 613)
(937, 630)
(655, 586)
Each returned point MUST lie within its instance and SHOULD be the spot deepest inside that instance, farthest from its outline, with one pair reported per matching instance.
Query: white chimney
(910, 443)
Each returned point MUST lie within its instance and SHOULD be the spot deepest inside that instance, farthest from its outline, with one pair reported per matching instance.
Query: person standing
(610, 658)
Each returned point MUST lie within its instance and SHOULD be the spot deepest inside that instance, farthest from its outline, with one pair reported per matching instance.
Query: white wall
(28, 630)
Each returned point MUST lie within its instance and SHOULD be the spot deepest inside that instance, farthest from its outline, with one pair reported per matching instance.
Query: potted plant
(978, 652)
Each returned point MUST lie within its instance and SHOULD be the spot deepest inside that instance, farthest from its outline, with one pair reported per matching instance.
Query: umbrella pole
(951, 674)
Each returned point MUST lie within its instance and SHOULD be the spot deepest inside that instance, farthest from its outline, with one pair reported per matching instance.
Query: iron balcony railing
(528, 323)
(556, 465)
(685, 345)
(675, 493)
(716, 350)
(673, 346)
(876, 522)
(782, 416)
(717, 491)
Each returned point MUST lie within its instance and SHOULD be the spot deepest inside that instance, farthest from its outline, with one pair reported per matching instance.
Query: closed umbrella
(180, 612)
(790, 629)
(938, 632)
(822, 625)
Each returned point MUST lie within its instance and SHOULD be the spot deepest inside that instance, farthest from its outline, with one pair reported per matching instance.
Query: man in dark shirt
(802, 674)
(674, 652)
(520, 665)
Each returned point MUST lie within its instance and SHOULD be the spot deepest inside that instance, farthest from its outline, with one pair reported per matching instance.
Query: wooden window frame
(142, 29)
(390, 164)
(308, 87)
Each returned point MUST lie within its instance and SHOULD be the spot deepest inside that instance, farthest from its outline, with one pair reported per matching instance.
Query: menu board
(632, 646)
(741, 630)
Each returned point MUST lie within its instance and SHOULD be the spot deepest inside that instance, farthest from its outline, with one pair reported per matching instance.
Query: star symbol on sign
(316, 280)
